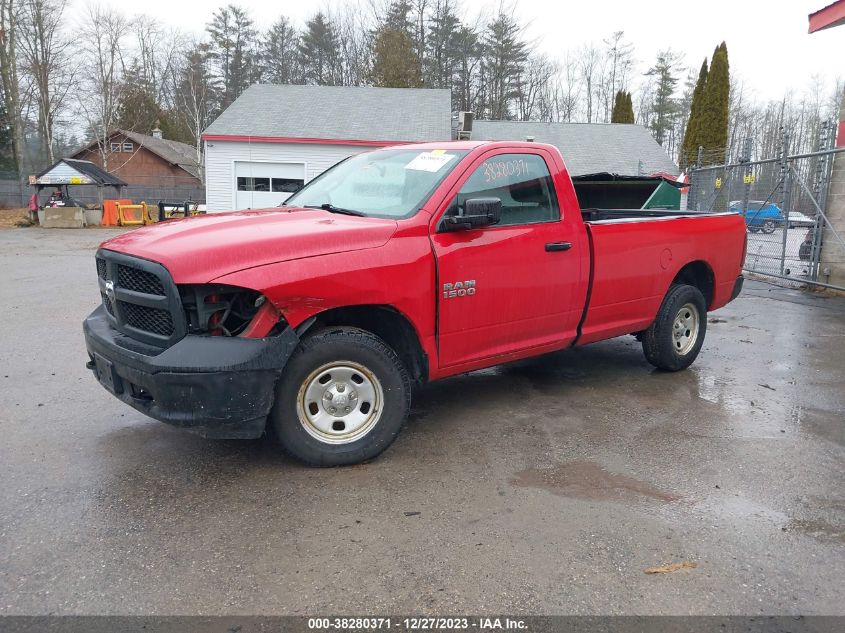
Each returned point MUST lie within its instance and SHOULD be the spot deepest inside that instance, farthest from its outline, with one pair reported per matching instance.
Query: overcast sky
(768, 43)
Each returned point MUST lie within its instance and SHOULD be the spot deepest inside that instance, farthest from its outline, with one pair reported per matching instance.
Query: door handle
(558, 246)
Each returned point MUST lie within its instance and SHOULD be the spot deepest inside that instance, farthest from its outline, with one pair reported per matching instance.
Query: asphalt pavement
(543, 487)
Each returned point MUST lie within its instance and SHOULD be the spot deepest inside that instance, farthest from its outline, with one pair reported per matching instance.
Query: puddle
(819, 529)
(588, 480)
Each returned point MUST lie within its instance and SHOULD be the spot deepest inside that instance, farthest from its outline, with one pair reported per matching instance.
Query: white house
(274, 138)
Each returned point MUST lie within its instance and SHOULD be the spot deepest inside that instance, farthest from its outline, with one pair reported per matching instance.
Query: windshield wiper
(328, 206)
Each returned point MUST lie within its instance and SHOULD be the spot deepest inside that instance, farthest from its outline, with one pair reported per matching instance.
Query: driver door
(512, 286)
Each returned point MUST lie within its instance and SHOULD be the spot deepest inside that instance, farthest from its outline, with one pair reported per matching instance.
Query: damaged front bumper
(216, 386)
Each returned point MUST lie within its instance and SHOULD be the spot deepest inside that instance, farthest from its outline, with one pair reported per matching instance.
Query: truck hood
(203, 248)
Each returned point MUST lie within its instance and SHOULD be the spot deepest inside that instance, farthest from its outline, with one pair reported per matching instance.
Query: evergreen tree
(319, 52)
(137, 110)
(713, 129)
(442, 50)
(398, 18)
(623, 108)
(395, 64)
(504, 56)
(279, 54)
(689, 149)
(664, 107)
(465, 91)
(232, 38)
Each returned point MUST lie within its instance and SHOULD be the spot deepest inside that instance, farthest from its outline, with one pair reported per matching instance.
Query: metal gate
(783, 202)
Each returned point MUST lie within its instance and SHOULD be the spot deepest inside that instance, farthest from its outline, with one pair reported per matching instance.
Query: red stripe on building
(306, 141)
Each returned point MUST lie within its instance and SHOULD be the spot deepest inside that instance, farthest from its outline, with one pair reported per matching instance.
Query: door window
(521, 181)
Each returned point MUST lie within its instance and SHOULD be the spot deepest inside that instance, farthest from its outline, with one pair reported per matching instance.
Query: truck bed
(636, 254)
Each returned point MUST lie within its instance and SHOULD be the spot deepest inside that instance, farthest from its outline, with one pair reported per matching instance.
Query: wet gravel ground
(543, 487)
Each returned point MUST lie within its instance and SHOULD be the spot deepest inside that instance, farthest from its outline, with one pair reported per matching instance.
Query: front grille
(139, 281)
(145, 305)
(148, 319)
(107, 304)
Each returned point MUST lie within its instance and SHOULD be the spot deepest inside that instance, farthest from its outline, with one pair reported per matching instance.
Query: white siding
(220, 157)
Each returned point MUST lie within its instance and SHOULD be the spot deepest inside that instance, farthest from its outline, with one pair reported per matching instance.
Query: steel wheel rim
(340, 402)
(685, 329)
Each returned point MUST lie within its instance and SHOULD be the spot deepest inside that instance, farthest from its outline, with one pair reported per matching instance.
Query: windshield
(390, 183)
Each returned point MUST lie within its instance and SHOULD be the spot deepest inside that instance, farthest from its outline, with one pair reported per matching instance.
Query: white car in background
(797, 219)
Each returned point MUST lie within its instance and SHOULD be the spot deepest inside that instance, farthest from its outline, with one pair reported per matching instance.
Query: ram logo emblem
(459, 289)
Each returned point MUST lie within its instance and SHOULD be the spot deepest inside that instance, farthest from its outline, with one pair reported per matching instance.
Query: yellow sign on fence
(718, 183)
(748, 179)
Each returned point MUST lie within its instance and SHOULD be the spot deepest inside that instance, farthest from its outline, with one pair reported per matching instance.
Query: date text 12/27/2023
(418, 623)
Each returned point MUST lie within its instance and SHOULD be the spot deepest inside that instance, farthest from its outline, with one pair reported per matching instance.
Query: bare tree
(589, 68)
(157, 52)
(619, 60)
(102, 37)
(10, 14)
(532, 101)
(194, 96)
(354, 40)
(44, 53)
(567, 89)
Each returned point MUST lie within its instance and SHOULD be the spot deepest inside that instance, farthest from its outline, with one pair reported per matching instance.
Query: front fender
(400, 274)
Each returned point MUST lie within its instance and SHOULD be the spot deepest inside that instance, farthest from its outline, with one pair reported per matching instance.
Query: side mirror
(476, 212)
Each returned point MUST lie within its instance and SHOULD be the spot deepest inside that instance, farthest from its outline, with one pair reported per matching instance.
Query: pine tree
(713, 130)
(689, 148)
(319, 52)
(442, 51)
(623, 108)
(395, 64)
(279, 53)
(503, 62)
(232, 38)
(664, 107)
(137, 109)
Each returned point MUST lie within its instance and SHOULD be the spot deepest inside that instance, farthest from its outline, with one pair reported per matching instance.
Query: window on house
(128, 147)
(115, 147)
(287, 185)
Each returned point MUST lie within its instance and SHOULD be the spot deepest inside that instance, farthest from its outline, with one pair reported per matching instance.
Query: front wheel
(342, 398)
(674, 339)
(769, 226)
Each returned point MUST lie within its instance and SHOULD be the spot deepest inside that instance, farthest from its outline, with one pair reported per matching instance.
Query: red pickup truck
(395, 267)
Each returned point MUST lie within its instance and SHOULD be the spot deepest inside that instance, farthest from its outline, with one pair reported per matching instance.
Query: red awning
(832, 15)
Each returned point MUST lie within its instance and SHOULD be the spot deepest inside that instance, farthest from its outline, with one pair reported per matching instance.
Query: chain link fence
(783, 202)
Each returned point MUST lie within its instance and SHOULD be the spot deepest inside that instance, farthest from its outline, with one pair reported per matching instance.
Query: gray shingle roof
(338, 112)
(587, 148)
(174, 152)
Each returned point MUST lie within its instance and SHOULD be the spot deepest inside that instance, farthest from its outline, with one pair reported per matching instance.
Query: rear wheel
(674, 339)
(753, 229)
(769, 226)
(342, 398)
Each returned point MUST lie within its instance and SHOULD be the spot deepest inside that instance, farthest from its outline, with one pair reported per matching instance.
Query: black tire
(339, 345)
(753, 229)
(769, 226)
(660, 345)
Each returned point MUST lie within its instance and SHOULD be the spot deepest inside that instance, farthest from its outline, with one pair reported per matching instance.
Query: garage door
(262, 185)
